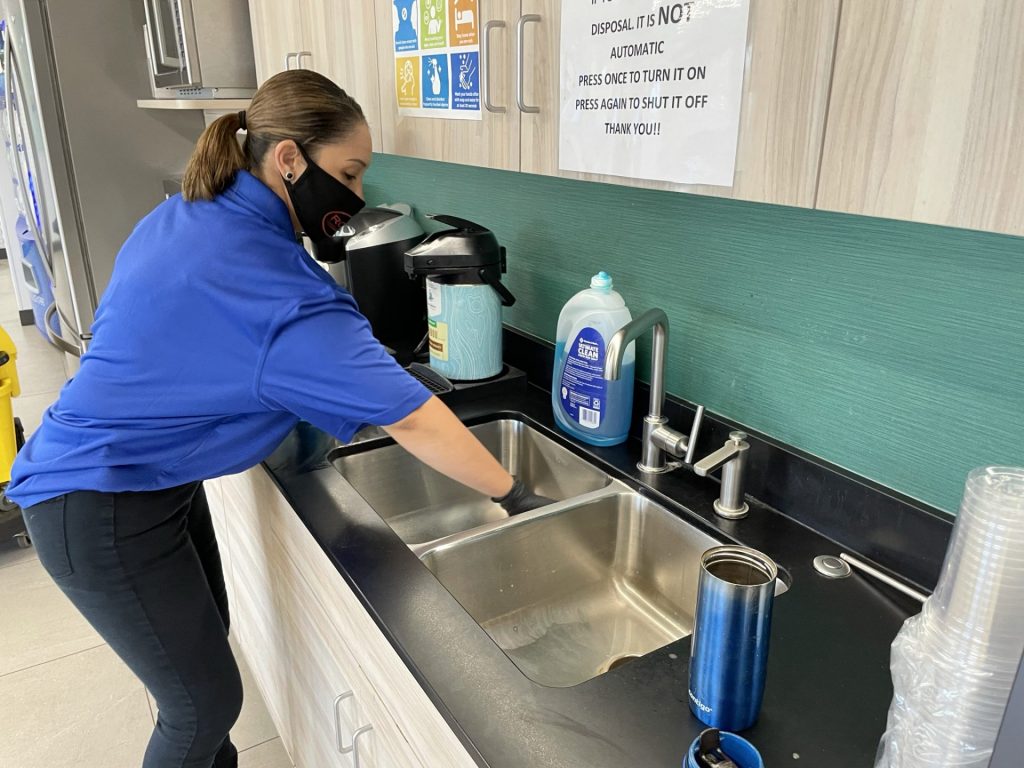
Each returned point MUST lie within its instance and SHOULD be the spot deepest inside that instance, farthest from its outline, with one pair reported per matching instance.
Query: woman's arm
(436, 437)
(360, 383)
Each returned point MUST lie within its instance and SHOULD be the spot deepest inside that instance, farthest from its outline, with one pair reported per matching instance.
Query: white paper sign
(651, 89)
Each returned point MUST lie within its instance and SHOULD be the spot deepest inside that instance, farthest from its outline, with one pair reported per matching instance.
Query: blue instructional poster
(435, 81)
(437, 58)
(466, 80)
(406, 17)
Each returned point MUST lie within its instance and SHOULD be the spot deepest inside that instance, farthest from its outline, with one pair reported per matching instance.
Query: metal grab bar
(62, 344)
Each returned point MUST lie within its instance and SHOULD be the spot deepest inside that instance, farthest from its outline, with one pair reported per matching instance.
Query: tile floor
(67, 700)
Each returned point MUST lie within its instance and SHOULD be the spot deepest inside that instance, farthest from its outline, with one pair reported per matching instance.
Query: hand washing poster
(652, 89)
(437, 58)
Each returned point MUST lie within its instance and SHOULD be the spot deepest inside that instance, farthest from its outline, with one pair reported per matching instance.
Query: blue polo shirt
(216, 334)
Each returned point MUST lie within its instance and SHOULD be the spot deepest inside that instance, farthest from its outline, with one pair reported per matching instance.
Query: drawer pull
(339, 741)
(355, 743)
(337, 723)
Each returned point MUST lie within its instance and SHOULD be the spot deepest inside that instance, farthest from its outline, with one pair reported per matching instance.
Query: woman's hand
(521, 499)
(436, 437)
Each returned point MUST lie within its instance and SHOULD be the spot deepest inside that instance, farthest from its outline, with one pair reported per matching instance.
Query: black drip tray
(510, 379)
(431, 379)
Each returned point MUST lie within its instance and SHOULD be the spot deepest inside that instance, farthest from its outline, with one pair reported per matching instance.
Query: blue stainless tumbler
(729, 652)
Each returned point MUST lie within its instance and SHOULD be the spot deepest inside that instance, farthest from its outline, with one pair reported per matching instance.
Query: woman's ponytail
(215, 161)
(297, 104)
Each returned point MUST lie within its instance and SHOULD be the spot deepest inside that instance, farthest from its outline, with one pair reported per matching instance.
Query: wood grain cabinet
(927, 113)
(782, 115)
(782, 118)
(338, 692)
(281, 30)
(491, 142)
(907, 110)
(336, 38)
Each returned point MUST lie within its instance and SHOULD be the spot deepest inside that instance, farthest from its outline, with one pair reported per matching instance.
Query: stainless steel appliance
(89, 162)
(374, 273)
(199, 48)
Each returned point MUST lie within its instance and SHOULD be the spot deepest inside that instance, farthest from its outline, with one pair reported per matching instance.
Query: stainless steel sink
(572, 592)
(422, 505)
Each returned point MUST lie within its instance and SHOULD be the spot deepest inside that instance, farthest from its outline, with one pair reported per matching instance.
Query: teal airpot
(463, 267)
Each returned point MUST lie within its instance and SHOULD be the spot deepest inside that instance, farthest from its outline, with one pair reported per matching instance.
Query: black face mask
(323, 206)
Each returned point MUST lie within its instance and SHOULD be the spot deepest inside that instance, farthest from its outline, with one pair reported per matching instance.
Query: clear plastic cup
(953, 665)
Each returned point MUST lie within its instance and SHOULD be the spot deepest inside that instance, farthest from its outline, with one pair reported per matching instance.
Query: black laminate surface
(828, 687)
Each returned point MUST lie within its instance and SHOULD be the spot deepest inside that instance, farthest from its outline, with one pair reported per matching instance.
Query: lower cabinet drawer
(350, 721)
(314, 688)
(331, 725)
(397, 698)
(255, 616)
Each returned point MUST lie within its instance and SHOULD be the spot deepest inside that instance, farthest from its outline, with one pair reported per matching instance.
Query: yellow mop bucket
(9, 388)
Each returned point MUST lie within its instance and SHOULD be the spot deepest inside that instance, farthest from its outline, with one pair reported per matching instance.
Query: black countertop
(828, 687)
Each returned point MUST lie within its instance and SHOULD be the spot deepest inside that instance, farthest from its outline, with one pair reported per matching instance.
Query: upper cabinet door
(344, 47)
(491, 142)
(782, 119)
(927, 113)
(278, 35)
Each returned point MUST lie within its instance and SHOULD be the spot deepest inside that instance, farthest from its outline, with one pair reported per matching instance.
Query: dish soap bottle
(586, 406)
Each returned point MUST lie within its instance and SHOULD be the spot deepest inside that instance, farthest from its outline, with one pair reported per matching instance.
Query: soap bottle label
(583, 386)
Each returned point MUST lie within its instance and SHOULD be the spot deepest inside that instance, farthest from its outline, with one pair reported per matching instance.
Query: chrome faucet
(658, 438)
(732, 458)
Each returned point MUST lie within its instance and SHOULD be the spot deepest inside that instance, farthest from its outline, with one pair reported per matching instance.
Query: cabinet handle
(485, 76)
(301, 55)
(337, 723)
(288, 59)
(521, 63)
(355, 743)
(150, 53)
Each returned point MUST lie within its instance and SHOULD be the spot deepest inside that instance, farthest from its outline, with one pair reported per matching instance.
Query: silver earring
(289, 176)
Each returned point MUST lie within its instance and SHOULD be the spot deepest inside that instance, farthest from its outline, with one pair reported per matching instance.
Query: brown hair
(298, 104)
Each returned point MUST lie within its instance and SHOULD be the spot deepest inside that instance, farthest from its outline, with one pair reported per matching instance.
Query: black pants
(145, 571)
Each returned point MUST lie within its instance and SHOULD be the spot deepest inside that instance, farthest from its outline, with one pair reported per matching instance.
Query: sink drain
(619, 661)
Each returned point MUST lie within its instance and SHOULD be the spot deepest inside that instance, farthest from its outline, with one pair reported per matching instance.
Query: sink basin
(422, 505)
(571, 594)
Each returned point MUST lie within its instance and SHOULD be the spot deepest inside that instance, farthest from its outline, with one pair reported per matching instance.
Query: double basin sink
(568, 591)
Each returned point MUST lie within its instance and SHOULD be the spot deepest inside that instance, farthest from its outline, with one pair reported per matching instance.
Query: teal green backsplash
(893, 349)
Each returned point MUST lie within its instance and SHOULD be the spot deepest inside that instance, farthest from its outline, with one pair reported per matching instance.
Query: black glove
(520, 500)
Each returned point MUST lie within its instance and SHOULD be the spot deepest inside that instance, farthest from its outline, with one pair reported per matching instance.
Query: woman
(216, 334)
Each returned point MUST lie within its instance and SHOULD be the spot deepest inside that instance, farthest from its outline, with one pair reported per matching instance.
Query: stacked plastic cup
(953, 665)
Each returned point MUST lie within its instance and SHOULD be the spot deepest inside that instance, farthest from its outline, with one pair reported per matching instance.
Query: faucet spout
(657, 320)
(659, 438)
